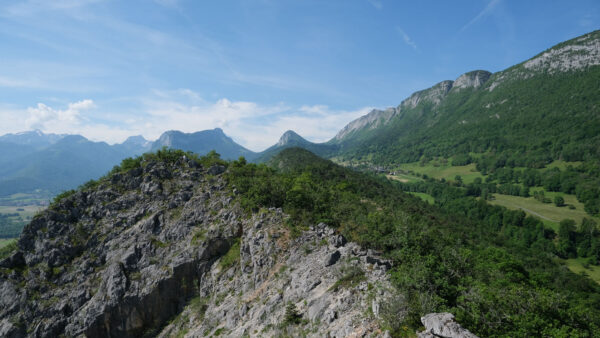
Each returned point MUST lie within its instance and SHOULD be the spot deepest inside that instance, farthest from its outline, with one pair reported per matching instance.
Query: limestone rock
(443, 325)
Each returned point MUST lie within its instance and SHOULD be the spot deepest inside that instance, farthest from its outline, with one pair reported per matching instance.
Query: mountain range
(173, 244)
(532, 113)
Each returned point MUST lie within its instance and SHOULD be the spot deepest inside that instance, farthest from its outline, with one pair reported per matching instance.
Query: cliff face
(164, 249)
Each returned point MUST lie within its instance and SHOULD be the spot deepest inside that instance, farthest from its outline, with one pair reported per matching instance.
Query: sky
(109, 69)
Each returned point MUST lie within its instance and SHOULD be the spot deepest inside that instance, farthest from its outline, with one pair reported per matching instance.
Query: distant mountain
(34, 138)
(135, 145)
(202, 142)
(291, 139)
(32, 161)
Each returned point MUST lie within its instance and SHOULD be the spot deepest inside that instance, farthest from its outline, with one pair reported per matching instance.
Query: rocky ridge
(168, 243)
(434, 95)
(572, 55)
(288, 137)
(372, 120)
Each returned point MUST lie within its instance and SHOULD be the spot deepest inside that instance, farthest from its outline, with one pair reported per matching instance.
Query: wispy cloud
(30, 7)
(489, 8)
(406, 38)
(376, 3)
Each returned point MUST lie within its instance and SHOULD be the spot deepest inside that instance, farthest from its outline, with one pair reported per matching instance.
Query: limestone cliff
(164, 249)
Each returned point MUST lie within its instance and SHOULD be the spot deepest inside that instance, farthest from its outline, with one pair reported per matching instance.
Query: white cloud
(252, 125)
(489, 8)
(406, 38)
(47, 118)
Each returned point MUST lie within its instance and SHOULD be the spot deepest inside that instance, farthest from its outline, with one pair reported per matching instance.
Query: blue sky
(108, 69)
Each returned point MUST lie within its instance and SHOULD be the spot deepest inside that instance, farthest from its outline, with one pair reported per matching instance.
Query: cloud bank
(253, 125)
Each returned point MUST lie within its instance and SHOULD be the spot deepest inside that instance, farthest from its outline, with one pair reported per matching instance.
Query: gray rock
(143, 253)
(443, 325)
(332, 258)
(216, 169)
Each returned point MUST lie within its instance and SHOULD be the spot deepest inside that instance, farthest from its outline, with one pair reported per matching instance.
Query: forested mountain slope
(174, 244)
(527, 116)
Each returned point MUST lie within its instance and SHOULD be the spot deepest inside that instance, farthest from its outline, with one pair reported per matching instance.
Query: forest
(492, 267)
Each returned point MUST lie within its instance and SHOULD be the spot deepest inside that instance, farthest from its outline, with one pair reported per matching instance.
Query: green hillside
(512, 126)
(495, 268)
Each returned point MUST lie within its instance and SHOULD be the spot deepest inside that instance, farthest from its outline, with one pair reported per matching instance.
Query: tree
(566, 239)
(292, 316)
(559, 201)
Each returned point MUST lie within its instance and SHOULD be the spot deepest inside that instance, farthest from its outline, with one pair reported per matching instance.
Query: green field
(547, 212)
(468, 173)
(425, 197)
(577, 265)
(27, 212)
(404, 178)
(562, 165)
(5, 242)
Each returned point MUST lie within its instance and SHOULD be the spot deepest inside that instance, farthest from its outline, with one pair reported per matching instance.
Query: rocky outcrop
(443, 325)
(167, 243)
(434, 95)
(288, 137)
(372, 120)
(474, 79)
(573, 55)
(582, 52)
(334, 288)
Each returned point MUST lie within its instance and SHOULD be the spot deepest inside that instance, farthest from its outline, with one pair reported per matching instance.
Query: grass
(27, 212)
(350, 276)
(562, 165)
(404, 178)
(468, 173)
(7, 246)
(232, 256)
(425, 197)
(577, 265)
(548, 212)
(5, 242)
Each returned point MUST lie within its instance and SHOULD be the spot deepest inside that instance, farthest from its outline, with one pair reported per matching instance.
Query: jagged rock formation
(289, 137)
(443, 325)
(372, 120)
(474, 79)
(167, 242)
(434, 94)
(202, 142)
(582, 52)
(572, 55)
(249, 299)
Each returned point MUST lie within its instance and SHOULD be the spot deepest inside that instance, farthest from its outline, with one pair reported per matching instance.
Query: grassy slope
(425, 197)
(577, 266)
(468, 173)
(546, 211)
(5, 242)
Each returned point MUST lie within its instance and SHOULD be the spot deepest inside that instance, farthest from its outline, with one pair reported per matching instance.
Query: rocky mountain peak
(163, 247)
(474, 79)
(574, 54)
(136, 140)
(35, 138)
(290, 136)
(372, 120)
(434, 94)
